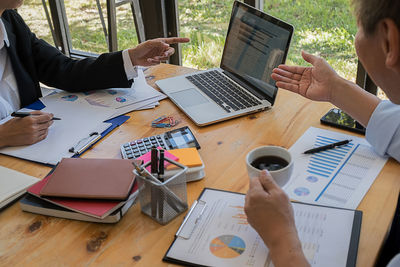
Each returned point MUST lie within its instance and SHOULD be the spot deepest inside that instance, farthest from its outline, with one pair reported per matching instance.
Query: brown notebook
(91, 178)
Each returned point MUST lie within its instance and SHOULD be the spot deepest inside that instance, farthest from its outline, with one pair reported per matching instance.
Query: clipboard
(198, 211)
(85, 143)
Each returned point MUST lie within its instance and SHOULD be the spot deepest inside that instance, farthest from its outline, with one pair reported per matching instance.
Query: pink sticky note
(147, 157)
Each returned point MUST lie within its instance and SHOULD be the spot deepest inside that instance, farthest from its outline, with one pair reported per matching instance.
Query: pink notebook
(95, 208)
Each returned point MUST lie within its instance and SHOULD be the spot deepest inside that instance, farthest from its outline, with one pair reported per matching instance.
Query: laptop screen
(256, 43)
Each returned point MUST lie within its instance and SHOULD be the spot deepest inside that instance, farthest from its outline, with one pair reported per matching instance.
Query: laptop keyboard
(223, 91)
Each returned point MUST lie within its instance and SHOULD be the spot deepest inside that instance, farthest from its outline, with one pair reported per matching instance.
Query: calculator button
(137, 155)
(152, 138)
(126, 145)
(159, 137)
(139, 141)
(130, 156)
(135, 150)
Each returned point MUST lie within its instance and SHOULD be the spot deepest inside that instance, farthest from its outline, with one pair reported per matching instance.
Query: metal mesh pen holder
(163, 201)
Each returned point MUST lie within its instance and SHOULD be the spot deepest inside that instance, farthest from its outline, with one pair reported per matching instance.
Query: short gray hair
(370, 12)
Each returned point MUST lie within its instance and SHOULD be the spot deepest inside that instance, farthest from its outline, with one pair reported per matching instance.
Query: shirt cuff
(130, 70)
(382, 127)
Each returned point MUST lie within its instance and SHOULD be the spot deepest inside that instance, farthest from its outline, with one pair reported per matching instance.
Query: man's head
(370, 12)
(378, 43)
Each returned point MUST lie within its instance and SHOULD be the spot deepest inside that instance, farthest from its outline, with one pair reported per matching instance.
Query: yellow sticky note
(189, 157)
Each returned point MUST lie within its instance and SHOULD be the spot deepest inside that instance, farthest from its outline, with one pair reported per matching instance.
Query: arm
(320, 82)
(270, 213)
(54, 69)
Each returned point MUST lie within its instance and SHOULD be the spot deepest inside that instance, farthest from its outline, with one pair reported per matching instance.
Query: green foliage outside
(324, 27)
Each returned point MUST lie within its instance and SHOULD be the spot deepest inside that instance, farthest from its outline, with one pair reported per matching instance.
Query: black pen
(330, 146)
(161, 166)
(23, 114)
(154, 160)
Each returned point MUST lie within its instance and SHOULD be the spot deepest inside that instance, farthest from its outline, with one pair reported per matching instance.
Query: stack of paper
(120, 100)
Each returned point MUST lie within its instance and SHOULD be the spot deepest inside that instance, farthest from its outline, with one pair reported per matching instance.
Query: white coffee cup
(281, 176)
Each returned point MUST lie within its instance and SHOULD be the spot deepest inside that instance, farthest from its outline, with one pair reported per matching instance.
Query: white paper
(222, 236)
(76, 123)
(13, 184)
(337, 177)
(121, 100)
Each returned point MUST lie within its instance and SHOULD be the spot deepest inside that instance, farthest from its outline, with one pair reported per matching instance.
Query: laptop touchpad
(189, 97)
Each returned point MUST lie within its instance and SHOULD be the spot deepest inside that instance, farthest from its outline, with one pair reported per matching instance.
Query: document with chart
(216, 233)
(338, 177)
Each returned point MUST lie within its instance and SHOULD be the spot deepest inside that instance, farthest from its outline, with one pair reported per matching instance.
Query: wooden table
(29, 239)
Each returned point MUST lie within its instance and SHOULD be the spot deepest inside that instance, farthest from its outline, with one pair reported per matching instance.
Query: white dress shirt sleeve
(383, 130)
(130, 70)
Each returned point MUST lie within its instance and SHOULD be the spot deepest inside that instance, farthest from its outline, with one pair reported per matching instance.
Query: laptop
(255, 44)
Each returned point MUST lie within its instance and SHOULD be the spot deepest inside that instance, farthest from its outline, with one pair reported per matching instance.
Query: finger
(170, 51)
(37, 112)
(153, 61)
(268, 182)
(308, 57)
(256, 186)
(281, 78)
(291, 69)
(175, 40)
(287, 74)
(42, 136)
(288, 86)
(44, 118)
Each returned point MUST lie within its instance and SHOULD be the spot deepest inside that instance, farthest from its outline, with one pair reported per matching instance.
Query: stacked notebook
(97, 190)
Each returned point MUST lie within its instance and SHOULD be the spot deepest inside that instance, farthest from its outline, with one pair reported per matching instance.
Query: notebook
(33, 204)
(91, 179)
(13, 184)
(256, 43)
(99, 209)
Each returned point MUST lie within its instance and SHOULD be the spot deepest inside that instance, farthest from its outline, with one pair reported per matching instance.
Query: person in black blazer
(33, 61)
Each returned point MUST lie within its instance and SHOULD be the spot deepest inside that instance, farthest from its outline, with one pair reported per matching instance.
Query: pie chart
(227, 246)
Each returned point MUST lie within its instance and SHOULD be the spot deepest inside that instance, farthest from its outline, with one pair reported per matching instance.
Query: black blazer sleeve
(36, 61)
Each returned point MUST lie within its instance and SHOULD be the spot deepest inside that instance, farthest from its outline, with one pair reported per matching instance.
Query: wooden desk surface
(27, 238)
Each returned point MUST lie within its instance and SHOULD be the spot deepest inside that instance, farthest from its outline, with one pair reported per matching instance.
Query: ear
(391, 43)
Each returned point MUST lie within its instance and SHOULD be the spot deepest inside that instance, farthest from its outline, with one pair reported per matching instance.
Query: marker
(23, 114)
(330, 146)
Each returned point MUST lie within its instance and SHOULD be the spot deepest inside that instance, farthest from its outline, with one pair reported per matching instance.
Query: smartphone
(337, 118)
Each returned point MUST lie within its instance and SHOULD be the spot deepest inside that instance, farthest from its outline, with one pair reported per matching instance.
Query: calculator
(178, 138)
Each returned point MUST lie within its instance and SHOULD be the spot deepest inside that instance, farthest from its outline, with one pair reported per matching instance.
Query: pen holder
(163, 201)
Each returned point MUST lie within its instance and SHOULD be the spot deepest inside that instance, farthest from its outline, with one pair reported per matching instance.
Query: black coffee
(271, 163)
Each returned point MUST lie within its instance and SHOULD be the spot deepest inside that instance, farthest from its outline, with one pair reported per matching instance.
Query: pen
(161, 166)
(330, 146)
(23, 114)
(154, 160)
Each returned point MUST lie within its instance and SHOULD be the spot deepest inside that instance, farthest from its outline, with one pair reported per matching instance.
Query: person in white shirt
(26, 61)
(377, 44)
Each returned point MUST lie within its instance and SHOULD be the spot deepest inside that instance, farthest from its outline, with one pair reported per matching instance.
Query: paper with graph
(221, 236)
(337, 177)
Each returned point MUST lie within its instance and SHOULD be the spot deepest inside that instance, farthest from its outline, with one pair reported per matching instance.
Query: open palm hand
(313, 82)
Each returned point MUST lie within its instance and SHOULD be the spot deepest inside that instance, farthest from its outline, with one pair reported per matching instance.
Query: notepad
(189, 157)
(91, 179)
